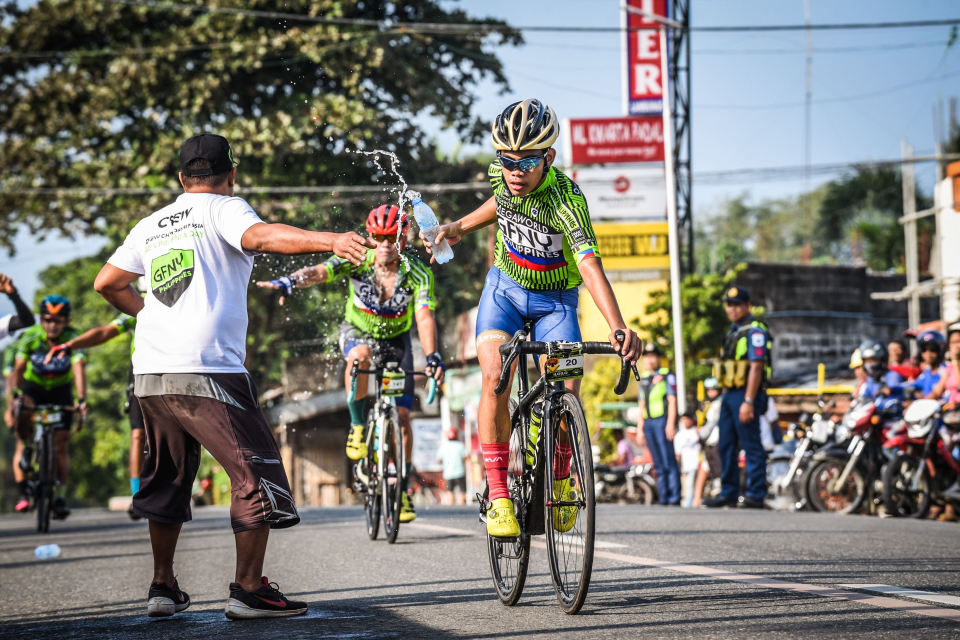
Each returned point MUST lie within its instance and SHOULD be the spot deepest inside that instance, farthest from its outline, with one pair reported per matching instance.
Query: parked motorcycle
(923, 469)
(846, 476)
(787, 468)
(631, 484)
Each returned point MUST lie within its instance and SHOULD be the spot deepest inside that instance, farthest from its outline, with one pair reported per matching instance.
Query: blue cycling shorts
(505, 305)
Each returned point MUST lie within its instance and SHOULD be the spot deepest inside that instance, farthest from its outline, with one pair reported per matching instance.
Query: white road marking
(760, 581)
(907, 593)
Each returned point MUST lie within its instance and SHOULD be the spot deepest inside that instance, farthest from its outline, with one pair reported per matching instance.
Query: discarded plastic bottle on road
(45, 551)
(430, 226)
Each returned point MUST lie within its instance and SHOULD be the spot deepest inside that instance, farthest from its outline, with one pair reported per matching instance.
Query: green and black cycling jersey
(33, 347)
(384, 319)
(543, 235)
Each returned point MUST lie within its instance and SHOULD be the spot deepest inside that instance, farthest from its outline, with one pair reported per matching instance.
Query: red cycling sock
(496, 460)
(561, 462)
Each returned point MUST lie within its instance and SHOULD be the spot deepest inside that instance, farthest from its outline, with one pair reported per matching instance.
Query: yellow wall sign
(633, 245)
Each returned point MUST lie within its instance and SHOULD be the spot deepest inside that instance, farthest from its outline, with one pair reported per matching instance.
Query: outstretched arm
(306, 277)
(453, 232)
(591, 269)
(290, 241)
(24, 317)
(91, 338)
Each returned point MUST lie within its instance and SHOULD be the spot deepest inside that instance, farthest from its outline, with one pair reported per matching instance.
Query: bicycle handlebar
(519, 344)
(352, 395)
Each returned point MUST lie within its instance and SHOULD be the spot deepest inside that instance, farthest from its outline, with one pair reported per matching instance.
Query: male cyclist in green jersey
(546, 248)
(41, 382)
(98, 335)
(386, 291)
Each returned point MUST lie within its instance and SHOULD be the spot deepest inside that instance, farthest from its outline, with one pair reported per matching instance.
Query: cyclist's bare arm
(116, 287)
(286, 240)
(427, 330)
(14, 380)
(591, 269)
(482, 216)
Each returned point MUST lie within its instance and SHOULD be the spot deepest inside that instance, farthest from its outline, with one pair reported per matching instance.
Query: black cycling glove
(434, 361)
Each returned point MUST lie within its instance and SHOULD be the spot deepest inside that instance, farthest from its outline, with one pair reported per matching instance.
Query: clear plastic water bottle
(47, 551)
(430, 226)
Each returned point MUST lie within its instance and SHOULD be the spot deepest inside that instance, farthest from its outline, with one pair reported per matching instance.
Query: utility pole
(910, 237)
(807, 113)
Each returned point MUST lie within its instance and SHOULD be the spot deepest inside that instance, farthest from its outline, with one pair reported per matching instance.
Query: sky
(871, 89)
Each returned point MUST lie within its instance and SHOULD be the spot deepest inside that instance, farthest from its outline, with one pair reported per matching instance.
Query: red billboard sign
(642, 84)
(613, 140)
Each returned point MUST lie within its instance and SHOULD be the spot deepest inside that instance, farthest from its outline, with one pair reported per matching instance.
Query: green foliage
(102, 95)
(705, 321)
(98, 452)
(597, 388)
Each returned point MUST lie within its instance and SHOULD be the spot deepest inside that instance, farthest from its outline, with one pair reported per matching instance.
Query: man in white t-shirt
(190, 382)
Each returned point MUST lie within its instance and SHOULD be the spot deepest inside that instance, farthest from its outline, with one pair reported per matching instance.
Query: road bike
(544, 417)
(41, 480)
(379, 476)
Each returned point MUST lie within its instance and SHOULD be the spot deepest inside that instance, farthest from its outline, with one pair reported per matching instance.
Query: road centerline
(905, 592)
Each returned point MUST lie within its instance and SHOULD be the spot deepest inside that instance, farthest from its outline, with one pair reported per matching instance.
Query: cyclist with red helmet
(387, 290)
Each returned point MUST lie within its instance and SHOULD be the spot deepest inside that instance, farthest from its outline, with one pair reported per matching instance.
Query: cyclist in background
(40, 382)
(94, 337)
(546, 249)
(387, 291)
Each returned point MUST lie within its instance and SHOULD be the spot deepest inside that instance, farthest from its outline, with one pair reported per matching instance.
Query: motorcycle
(845, 476)
(923, 468)
(631, 484)
(787, 467)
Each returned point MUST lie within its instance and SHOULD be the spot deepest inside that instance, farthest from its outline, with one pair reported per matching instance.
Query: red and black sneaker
(265, 602)
(165, 601)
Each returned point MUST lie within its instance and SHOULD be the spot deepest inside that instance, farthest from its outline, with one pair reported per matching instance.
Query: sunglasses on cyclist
(523, 164)
(380, 237)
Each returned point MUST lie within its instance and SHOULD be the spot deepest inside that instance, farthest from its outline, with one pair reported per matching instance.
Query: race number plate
(393, 383)
(49, 417)
(565, 363)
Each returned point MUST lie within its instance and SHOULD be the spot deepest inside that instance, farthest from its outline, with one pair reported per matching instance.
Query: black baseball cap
(210, 147)
(737, 295)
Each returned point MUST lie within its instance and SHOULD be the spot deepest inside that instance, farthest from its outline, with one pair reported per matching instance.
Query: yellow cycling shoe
(501, 520)
(407, 512)
(564, 517)
(356, 447)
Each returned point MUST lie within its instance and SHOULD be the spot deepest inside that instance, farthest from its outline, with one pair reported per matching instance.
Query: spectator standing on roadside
(687, 445)
(658, 422)
(744, 370)
(190, 380)
(453, 454)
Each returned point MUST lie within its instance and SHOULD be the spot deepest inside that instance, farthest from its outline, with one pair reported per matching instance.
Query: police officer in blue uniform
(743, 370)
(658, 422)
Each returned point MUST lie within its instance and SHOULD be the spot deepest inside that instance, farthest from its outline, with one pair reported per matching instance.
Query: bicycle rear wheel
(391, 472)
(509, 559)
(570, 522)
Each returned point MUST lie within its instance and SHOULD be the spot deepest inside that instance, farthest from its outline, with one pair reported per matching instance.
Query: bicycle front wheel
(569, 499)
(391, 472)
(371, 499)
(45, 494)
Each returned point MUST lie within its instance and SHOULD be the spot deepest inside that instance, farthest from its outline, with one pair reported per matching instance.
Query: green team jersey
(544, 235)
(33, 347)
(125, 323)
(389, 318)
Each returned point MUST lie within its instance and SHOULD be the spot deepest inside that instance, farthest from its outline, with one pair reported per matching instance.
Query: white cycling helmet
(525, 125)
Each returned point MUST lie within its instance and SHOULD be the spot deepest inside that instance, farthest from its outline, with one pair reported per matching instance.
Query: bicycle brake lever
(621, 337)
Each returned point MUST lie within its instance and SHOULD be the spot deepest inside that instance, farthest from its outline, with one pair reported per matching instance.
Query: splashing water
(405, 195)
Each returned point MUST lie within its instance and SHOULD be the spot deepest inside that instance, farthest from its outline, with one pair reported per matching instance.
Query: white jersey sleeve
(231, 219)
(129, 256)
(5, 325)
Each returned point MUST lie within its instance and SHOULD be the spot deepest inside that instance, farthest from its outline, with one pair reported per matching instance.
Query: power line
(758, 174)
(840, 99)
(473, 27)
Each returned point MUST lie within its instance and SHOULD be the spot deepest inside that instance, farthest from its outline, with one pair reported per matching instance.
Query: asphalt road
(659, 572)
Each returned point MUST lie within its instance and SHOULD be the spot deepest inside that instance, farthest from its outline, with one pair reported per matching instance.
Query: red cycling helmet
(383, 220)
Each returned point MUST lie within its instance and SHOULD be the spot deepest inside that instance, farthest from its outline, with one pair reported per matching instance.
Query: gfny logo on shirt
(171, 274)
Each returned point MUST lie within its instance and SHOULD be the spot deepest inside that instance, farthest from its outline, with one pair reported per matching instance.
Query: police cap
(651, 348)
(737, 295)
